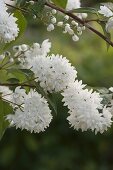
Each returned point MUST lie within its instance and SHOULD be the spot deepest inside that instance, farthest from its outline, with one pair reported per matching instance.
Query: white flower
(45, 47)
(9, 2)
(84, 15)
(60, 24)
(54, 11)
(35, 116)
(73, 4)
(31, 2)
(105, 11)
(3, 7)
(54, 73)
(19, 96)
(36, 50)
(5, 93)
(75, 38)
(24, 47)
(62, 72)
(68, 29)
(111, 89)
(74, 23)
(53, 20)
(8, 27)
(50, 27)
(109, 25)
(66, 17)
(84, 108)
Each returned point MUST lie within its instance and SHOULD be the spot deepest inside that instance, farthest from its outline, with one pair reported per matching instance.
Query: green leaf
(20, 2)
(22, 23)
(38, 7)
(5, 109)
(49, 97)
(3, 76)
(108, 35)
(52, 101)
(85, 10)
(61, 3)
(17, 74)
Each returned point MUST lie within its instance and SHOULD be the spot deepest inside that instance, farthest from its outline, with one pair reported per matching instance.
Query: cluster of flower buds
(67, 24)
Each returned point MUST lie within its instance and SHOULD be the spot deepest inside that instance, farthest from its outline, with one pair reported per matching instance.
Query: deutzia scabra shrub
(31, 74)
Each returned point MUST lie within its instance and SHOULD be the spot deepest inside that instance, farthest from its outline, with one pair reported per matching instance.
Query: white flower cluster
(111, 89)
(55, 74)
(67, 24)
(72, 4)
(8, 27)
(106, 12)
(84, 109)
(31, 111)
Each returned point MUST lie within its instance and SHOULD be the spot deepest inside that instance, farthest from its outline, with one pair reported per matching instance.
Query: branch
(77, 19)
(80, 21)
(21, 9)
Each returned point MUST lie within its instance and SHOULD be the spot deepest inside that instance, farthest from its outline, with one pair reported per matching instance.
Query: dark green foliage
(60, 3)
(5, 109)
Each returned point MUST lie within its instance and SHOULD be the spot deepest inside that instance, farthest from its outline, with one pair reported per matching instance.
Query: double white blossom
(104, 10)
(8, 27)
(34, 115)
(3, 6)
(73, 4)
(53, 72)
(84, 109)
(111, 89)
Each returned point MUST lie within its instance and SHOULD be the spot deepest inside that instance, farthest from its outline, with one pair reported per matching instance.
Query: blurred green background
(61, 147)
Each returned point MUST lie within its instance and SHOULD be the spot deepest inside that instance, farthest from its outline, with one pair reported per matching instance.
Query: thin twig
(20, 9)
(74, 17)
(80, 21)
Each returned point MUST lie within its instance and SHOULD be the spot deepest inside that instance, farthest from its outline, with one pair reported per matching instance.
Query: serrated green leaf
(5, 109)
(60, 3)
(22, 23)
